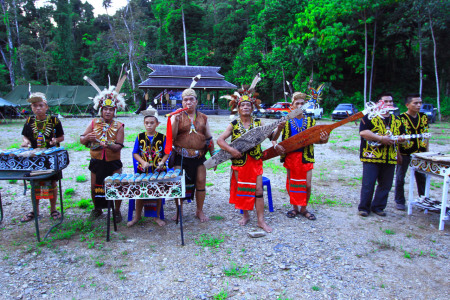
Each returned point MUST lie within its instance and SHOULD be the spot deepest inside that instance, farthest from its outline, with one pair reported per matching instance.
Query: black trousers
(372, 173)
(400, 180)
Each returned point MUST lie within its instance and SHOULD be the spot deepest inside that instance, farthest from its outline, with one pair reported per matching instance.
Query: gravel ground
(338, 256)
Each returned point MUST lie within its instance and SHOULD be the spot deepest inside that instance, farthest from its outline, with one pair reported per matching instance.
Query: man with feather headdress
(104, 136)
(246, 189)
(191, 140)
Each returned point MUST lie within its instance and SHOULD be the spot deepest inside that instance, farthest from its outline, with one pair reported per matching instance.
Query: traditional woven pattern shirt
(380, 154)
(295, 126)
(150, 149)
(237, 131)
(416, 125)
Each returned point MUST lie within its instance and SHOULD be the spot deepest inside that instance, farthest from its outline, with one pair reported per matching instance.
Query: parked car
(257, 113)
(343, 110)
(314, 110)
(278, 110)
(430, 111)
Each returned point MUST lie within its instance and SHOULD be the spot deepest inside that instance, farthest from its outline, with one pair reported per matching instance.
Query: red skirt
(296, 182)
(242, 190)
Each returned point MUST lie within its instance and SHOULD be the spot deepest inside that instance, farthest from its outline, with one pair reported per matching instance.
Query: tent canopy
(4, 103)
(57, 95)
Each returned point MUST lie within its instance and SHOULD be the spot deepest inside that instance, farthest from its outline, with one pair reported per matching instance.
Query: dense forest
(358, 48)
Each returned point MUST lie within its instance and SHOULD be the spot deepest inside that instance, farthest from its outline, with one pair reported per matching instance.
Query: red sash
(242, 190)
(296, 183)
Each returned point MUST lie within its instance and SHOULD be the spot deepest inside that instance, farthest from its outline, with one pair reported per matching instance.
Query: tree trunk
(184, 36)
(284, 86)
(435, 67)
(420, 60)
(130, 51)
(22, 63)
(9, 64)
(373, 59)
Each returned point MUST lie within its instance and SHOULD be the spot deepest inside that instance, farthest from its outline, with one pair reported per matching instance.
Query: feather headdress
(315, 94)
(245, 94)
(109, 97)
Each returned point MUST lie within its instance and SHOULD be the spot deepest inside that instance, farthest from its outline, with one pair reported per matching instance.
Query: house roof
(180, 77)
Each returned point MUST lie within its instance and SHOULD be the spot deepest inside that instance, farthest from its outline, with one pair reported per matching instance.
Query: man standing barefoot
(246, 189)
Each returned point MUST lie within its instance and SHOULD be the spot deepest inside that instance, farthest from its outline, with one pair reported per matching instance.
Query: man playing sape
(299, 163)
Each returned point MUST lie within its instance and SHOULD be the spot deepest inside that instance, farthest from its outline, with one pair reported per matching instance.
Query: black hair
(383, 94)
(409, 98)
(145, 117)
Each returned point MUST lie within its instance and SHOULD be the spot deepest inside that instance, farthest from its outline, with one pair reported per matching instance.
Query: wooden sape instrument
(405, 137)
(145, 186)
(312, 135)
(249, 140)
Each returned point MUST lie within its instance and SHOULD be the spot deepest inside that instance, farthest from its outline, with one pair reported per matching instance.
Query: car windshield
(278, 106)
(344, 106)
(426, 106)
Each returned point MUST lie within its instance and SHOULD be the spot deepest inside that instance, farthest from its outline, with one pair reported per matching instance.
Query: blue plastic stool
(147, 212)
(266, 182)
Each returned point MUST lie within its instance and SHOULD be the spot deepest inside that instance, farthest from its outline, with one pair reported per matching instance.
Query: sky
(97, 4)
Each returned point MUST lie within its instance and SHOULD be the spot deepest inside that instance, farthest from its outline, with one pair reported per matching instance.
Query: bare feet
(203, 218)
(132, 222)
(244, 220)
(263, 225)
(159, 221)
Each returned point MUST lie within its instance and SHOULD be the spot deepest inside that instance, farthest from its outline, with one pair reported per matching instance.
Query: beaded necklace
(192, 122)
(39, 134)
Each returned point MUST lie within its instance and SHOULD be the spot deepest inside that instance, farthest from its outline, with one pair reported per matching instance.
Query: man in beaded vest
(42, 131)
(299, 163)
(414, 122)
(246, 189)
(104, 136)
(378, 161)
(191, 140)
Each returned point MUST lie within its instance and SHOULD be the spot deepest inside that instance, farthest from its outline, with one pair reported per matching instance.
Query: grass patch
(207, 240)
(224, 167)
(217, 218)
(76, 146)
(69, 192)
(14, 146)
(85, 204)
(209, 184)
(81, 178)
(276, 167)
(383, 244)
(12, 181)
(131, 137)
(233, 270)
(322, 199)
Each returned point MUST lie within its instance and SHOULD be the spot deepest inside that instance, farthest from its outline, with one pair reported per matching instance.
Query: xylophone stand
(62, 210)
(180, 217)
(108, 220)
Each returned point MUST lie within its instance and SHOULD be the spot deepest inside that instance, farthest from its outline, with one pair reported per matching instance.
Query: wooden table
(430, 164)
